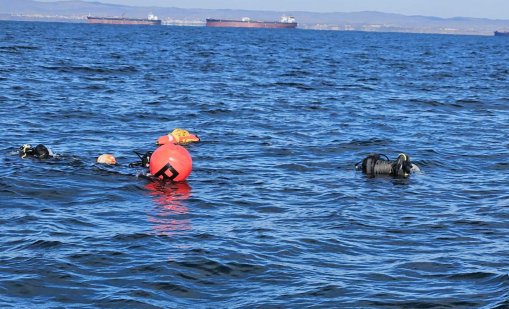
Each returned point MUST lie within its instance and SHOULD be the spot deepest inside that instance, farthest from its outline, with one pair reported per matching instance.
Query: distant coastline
(77, 11)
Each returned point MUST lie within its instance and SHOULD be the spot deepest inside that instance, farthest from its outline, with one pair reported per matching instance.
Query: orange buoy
(178, 136)
(171, 162)
(106, 159)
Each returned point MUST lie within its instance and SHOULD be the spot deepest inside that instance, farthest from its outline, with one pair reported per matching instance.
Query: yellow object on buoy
(178, 137)
(106, 159)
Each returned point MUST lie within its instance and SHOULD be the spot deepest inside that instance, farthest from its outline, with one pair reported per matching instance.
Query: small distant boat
(286, 22)
(152, 20)
(501, 33)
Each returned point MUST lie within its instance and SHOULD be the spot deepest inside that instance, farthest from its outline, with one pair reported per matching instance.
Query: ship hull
(123, 21)
(249, 24)
(499, 33)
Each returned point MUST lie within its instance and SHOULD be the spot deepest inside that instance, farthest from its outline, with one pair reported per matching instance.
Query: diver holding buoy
(170, 161)
(379, 164)
(176, 137)
(144, 159)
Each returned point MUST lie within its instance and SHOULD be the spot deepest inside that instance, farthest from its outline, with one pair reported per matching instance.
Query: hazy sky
(498, 9)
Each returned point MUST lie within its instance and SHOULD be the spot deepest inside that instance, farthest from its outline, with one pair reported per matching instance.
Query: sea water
(273, 214)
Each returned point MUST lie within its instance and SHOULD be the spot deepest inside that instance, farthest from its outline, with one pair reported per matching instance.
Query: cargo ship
(152, 20)
(501, 33)
(286, 22)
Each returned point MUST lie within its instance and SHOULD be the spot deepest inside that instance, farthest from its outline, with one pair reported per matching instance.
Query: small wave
(427, 267)
(432, 103)
(97, 70)
(96, 87)
(271, 210)
(213, 268)
(476, 276)
(350, 87)
(329, 291)
(370, 142)
(426, 304)
(294, 167)
(131, 237)
(501, 166)
(293, 85)
(206, 54)
(218, 111)
(296, 73)
(368, 79)
(442, 75)
(468, 101)
(17, 48)
(44, 244)
(168, 286)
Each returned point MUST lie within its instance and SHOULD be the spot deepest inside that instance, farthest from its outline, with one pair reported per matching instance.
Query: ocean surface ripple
(274, 214)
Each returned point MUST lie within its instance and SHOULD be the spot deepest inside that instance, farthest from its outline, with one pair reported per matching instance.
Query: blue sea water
(274, 214)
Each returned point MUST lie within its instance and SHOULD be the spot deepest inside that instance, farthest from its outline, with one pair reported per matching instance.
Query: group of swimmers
(171, 161)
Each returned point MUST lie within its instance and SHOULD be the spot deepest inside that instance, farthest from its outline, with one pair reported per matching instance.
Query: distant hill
(76, 11)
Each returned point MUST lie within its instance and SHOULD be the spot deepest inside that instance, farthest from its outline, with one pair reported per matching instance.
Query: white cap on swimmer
(106, 159)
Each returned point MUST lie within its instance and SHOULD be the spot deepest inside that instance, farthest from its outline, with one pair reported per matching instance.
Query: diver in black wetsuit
(144, 159)
(379, 164)
(39, 152)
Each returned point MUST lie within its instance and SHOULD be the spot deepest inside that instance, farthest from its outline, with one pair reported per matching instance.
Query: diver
(169, 161)
(144, 159)
(39, 152)
(43, 153)
(379, 164)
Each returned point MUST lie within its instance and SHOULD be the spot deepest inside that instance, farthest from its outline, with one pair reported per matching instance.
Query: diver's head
(25, 150)
(403, 165)
(41, 151)
(107, 159)
(144, 159)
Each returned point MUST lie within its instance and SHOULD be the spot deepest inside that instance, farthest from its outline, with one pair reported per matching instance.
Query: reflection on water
(170, 214)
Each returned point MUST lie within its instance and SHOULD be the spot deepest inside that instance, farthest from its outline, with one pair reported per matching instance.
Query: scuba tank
(379, 164)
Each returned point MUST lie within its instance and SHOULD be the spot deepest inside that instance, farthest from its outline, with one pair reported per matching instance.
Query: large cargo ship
(152, 20)
(501, 33)
(286, 22)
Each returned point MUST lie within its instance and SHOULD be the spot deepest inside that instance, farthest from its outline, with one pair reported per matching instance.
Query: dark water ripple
(273, 214)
